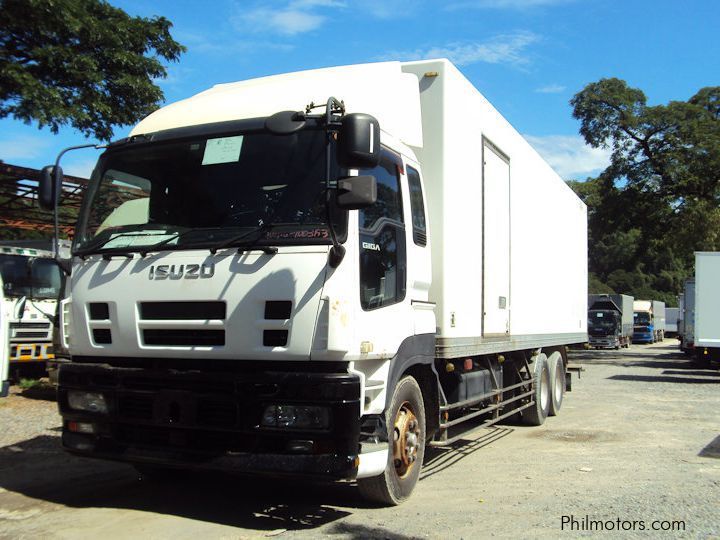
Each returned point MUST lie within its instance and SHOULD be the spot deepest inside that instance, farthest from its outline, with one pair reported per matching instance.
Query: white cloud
(551, 89)
(503, 49)
(504, 4)
(288, 19)
(570, 156)
(24, 147)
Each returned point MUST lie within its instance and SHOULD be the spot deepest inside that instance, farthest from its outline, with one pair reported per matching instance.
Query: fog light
(296, 417)
(87, 401)
(81, 427)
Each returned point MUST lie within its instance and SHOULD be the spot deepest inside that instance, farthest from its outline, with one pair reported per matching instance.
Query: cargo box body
(658, 310)
(707, 299)
(509, 237)
(672, 317)
(687, 334)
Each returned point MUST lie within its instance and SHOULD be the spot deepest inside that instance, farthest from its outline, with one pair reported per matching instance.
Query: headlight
(87, 401)
(296, 417)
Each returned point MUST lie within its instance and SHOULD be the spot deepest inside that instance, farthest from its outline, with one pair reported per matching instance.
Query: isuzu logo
(182, 271)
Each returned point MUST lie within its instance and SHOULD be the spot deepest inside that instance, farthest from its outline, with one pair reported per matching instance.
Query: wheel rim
(544, 390)
(559, 383)
(406, 439)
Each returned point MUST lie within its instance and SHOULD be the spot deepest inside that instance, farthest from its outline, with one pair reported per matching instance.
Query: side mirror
(356, 192)
(51, 179)
(359, 141)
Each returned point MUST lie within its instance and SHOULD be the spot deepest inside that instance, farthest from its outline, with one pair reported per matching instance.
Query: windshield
(40, 281)
(209, 189)
(601, 319)
(642, 318)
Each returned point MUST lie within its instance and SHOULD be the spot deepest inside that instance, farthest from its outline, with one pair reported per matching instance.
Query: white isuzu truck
(31, 286)
(318, 274)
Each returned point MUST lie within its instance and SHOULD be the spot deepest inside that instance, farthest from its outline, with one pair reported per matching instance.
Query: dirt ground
(636, 446)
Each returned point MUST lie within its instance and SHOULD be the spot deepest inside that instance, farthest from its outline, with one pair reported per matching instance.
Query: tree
(659, 200)
(82, 63)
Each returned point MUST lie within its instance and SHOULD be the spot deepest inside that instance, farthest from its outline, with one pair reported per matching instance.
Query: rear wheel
(406, 434)
(556, 370)
(536, 415)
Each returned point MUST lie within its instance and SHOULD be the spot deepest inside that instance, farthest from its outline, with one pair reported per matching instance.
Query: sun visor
(380, 89)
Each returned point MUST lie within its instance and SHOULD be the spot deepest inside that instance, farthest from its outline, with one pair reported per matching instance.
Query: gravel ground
(637, 441)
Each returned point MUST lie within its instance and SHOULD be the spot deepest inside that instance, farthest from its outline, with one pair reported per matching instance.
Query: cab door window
(382, 239)
(417, 208)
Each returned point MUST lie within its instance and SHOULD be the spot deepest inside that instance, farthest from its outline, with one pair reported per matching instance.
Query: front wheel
(406, 434)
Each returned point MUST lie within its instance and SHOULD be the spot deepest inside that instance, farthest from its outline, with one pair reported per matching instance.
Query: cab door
(384, 318)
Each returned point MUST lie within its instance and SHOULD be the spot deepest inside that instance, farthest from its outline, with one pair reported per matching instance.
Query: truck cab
(32, 283)
(643, 327)
(604, 328)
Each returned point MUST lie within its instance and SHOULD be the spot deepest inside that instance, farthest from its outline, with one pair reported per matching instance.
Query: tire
(405, 419)
(556, 371)
(536, 415)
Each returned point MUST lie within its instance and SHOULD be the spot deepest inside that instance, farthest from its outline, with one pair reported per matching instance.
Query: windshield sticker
(222, 150)
(312, 233)
(122, 240)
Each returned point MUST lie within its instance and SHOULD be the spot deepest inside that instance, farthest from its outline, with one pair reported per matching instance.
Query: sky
(528, 57)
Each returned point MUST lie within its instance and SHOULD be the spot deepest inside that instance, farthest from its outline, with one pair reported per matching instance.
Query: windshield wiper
(152, 247)
(269, 250)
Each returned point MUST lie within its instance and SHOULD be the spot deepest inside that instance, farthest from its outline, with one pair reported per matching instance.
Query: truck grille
(136, 407)
(184, 338)
(28, 330)
(30, 335)
(182, 311)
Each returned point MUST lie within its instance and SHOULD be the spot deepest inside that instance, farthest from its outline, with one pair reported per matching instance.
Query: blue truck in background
(648, 321)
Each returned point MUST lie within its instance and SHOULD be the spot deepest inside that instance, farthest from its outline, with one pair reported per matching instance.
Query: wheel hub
(406, 439)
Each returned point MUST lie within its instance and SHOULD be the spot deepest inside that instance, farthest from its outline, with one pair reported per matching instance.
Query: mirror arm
(337, 251)
(65, 266)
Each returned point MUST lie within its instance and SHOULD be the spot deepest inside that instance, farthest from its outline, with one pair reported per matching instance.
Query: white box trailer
(672, 319)
(494, 206)
(658, 309)
(687, 336)
(707, 306)
(356, 339)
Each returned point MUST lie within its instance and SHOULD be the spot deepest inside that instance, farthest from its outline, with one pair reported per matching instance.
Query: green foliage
(27, 384)
(659, 200)
(82, 63)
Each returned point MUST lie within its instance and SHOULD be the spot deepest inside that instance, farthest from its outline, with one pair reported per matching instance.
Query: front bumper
(31, 352)
(604, 341)
(211, 419)
(643, 337)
